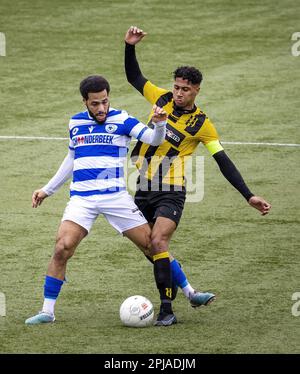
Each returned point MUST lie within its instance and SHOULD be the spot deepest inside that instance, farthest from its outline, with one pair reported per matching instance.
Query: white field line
(30, 138)
(11, 137)
(262, 143)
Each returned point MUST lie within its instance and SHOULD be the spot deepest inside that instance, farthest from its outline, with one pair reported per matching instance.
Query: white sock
(187, 290)
(48, 306)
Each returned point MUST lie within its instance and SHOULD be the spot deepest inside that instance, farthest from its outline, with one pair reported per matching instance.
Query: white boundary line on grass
(229, 143)
(30, 137)
(262, 143)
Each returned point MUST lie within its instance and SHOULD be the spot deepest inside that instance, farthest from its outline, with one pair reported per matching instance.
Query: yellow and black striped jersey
(164, 164)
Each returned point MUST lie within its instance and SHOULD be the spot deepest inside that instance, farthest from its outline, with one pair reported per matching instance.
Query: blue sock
(178, 276)
(52, 287)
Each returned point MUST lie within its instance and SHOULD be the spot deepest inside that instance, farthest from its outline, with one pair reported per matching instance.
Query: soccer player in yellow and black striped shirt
(160, 191)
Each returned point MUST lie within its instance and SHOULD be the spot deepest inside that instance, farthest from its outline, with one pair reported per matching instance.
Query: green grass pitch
(250, 91)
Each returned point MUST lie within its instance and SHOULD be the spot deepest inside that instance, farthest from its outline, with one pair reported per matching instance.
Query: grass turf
(250, 91)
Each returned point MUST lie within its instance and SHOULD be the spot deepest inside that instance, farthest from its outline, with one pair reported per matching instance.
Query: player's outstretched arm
(132, 69)
(134, 35)
(232, 174)
(62, 175)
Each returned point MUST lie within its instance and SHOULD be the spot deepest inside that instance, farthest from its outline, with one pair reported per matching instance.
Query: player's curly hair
(93, 83)
(190, 73)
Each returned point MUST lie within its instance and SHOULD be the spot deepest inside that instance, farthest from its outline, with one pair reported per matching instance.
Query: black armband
(132, 69)
(232, 174)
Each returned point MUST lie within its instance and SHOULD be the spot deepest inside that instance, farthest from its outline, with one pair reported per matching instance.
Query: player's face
(184, 93)
(98, 105)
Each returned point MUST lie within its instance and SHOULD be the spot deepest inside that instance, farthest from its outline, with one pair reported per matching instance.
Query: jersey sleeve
(154, 136)
(152, 93)
(209, 137)
(133, 127)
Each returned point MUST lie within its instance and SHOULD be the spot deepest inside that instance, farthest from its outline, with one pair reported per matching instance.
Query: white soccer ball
(137, 311)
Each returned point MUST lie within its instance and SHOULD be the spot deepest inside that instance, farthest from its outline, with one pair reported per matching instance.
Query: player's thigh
(140, 236)
(69, 235)
(163, 228)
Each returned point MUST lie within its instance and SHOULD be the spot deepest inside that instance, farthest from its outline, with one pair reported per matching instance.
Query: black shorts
(160, 204)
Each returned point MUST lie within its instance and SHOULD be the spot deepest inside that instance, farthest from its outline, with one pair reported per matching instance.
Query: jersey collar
(179, 111)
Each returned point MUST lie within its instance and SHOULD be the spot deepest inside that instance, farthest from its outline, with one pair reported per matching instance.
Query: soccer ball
(137, 311)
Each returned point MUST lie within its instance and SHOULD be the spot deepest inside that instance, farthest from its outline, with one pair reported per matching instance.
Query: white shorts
(118, 208)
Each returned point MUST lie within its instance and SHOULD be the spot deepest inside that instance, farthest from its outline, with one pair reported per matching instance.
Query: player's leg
(160, 237)
(68, 237)
(169, 206)
(180, 280)
(149, 205)
(145, 247)
(124, 216)
(76, 223)
(141, 236)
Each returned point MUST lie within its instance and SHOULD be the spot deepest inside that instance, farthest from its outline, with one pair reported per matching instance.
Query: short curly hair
(93, 83)
(190, 73)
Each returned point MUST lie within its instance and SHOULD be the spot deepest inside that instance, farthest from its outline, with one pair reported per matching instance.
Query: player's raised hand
(134, 35)
(260, 204)
(38, 197)
(159, 114)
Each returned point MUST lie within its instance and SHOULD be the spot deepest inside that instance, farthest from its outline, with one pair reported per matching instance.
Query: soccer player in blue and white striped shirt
(99, 142)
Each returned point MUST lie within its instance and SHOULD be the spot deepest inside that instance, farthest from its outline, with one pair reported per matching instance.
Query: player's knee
(159, 242)
(63, 250)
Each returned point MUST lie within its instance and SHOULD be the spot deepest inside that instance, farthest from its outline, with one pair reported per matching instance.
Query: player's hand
(134, 35)
(38, 197)
(260, 204)
(159, 114)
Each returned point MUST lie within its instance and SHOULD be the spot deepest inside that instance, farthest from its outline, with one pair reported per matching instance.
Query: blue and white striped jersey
(100, 151)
